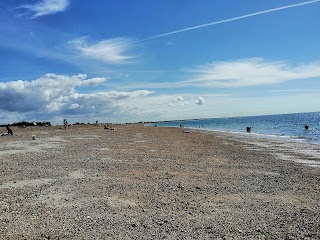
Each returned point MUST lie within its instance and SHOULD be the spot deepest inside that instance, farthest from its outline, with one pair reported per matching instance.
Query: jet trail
(227, 20)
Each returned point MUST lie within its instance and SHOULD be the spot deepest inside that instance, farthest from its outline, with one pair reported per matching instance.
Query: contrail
(227, 20)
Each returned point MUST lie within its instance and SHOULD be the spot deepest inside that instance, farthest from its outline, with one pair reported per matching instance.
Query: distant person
(306, 127)
(9, 130)
(65, 124)
(248, 129)
(108, 128)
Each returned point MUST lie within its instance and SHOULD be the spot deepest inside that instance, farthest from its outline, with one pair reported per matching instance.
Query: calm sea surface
(286, 126)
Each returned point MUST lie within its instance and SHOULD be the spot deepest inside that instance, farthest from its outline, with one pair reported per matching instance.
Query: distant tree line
(25, 124)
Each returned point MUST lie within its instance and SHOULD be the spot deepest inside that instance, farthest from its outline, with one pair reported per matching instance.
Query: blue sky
(129, 61)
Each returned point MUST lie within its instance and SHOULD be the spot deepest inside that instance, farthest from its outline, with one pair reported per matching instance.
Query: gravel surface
(137, 182)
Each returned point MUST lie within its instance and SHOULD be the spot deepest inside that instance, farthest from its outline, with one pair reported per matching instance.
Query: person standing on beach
(9, 130)
(65, 124)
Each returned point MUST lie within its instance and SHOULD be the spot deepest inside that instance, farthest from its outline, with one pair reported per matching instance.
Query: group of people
(306, 127)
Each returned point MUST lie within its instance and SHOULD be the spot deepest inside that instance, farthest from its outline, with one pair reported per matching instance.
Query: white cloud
(112, 51)
(178, 101)
(249, 72)
(124, 75)
(45, 7)
(74, 106)
(200, 101)
(93, 81)
(57, 95)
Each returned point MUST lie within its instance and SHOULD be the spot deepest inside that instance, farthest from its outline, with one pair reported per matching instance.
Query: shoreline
(272, 137)
(299, 127)
(144, 182)
(300, 152)
(297, 151)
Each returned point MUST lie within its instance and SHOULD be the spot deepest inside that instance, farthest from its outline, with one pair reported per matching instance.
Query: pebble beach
(139, 182)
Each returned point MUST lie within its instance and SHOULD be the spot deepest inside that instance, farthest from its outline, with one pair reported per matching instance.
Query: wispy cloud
(296, 90)
(93, 81)
(249, 72)
(112, 51)
(45, 7)
(238, 73)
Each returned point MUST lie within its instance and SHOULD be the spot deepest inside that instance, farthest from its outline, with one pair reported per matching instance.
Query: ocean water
(289, 127)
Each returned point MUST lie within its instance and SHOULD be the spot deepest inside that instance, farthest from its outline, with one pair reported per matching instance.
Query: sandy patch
(116, 201)
(56, 199)
(102, 149)
(63, 198)
(76, 174)
(266, 173)
(38, 145)
(27, 183)
(305, 162)
(85, 137)
(296, 199)
(220, 199)
(310, 163)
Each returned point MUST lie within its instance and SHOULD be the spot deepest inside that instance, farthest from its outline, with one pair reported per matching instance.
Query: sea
(288, 127)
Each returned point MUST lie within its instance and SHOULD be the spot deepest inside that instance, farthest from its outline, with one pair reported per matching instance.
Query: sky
(129, 61)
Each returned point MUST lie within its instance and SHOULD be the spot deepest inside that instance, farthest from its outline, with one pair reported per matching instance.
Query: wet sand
(141, 182)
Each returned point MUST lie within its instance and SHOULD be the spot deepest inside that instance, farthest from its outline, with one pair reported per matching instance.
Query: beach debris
(34, 137)
(187, 131)
(306, 127)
